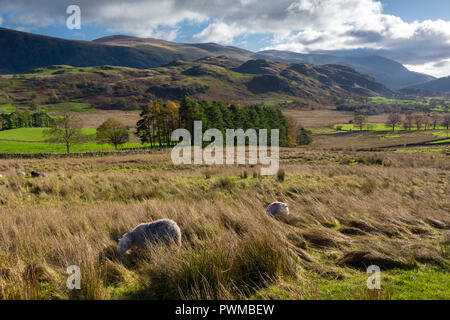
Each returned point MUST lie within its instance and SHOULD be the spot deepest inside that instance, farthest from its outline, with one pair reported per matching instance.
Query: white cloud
(438, 69)
(218, 32)
(298, 25)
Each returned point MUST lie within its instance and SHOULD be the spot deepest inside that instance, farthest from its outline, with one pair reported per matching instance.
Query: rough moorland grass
(390, 208)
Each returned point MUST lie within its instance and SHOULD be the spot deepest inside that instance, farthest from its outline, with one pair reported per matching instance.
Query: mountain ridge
(25, 51)
(384, 70)
(441, 85)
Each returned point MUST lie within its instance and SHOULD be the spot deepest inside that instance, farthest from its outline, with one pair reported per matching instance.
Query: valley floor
(349, 210)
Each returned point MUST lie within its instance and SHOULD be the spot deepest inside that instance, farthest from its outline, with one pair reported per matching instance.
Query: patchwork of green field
(34, 134)
(375, 135)
(418, 101)
(383, 100)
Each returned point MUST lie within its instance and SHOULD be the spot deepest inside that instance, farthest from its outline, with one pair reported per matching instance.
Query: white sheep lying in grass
(278, 208)
(165, 231)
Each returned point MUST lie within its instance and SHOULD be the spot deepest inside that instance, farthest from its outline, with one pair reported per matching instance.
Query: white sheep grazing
(164, 230)
(278, 208)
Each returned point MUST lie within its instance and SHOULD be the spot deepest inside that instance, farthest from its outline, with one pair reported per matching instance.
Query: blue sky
(410, 10)
(413, 32)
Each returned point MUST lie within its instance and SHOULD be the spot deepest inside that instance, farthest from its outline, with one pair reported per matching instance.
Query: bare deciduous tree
(419, 120)
(360, 120)
(394, 120)
(66, 129)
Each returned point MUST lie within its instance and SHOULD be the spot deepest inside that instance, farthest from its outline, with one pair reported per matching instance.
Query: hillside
(441, 85)
(386, 71)
(169, 51)
(224, 79)
(24, 51)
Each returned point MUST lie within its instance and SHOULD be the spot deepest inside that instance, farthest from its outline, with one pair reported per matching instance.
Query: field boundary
(420, 144)
(80, 154)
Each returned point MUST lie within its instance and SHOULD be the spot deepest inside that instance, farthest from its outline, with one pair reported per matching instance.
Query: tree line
(418, 120)
(160, 118)
(408, 121)
(25, 119)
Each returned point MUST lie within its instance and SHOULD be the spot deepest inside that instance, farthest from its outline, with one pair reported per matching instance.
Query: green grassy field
(383, 100)
(32, 140)
(7, 108)
(34, 134)
(70, 106)
(426, 283)
(43, 147)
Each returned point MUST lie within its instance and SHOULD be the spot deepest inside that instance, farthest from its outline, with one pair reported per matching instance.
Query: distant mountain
(386, 71)
(441, 85)
(24, 51)
(170, 51)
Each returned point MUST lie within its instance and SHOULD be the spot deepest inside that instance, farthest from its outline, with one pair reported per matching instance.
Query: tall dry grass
(389, 208)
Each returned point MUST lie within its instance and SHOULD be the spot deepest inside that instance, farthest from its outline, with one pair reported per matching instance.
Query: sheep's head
(124, 244)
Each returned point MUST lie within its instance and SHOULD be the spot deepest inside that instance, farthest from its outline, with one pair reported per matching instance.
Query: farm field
(330, 139)
(43, 147)
(32, 140)
(34, 134)
(331, 130)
